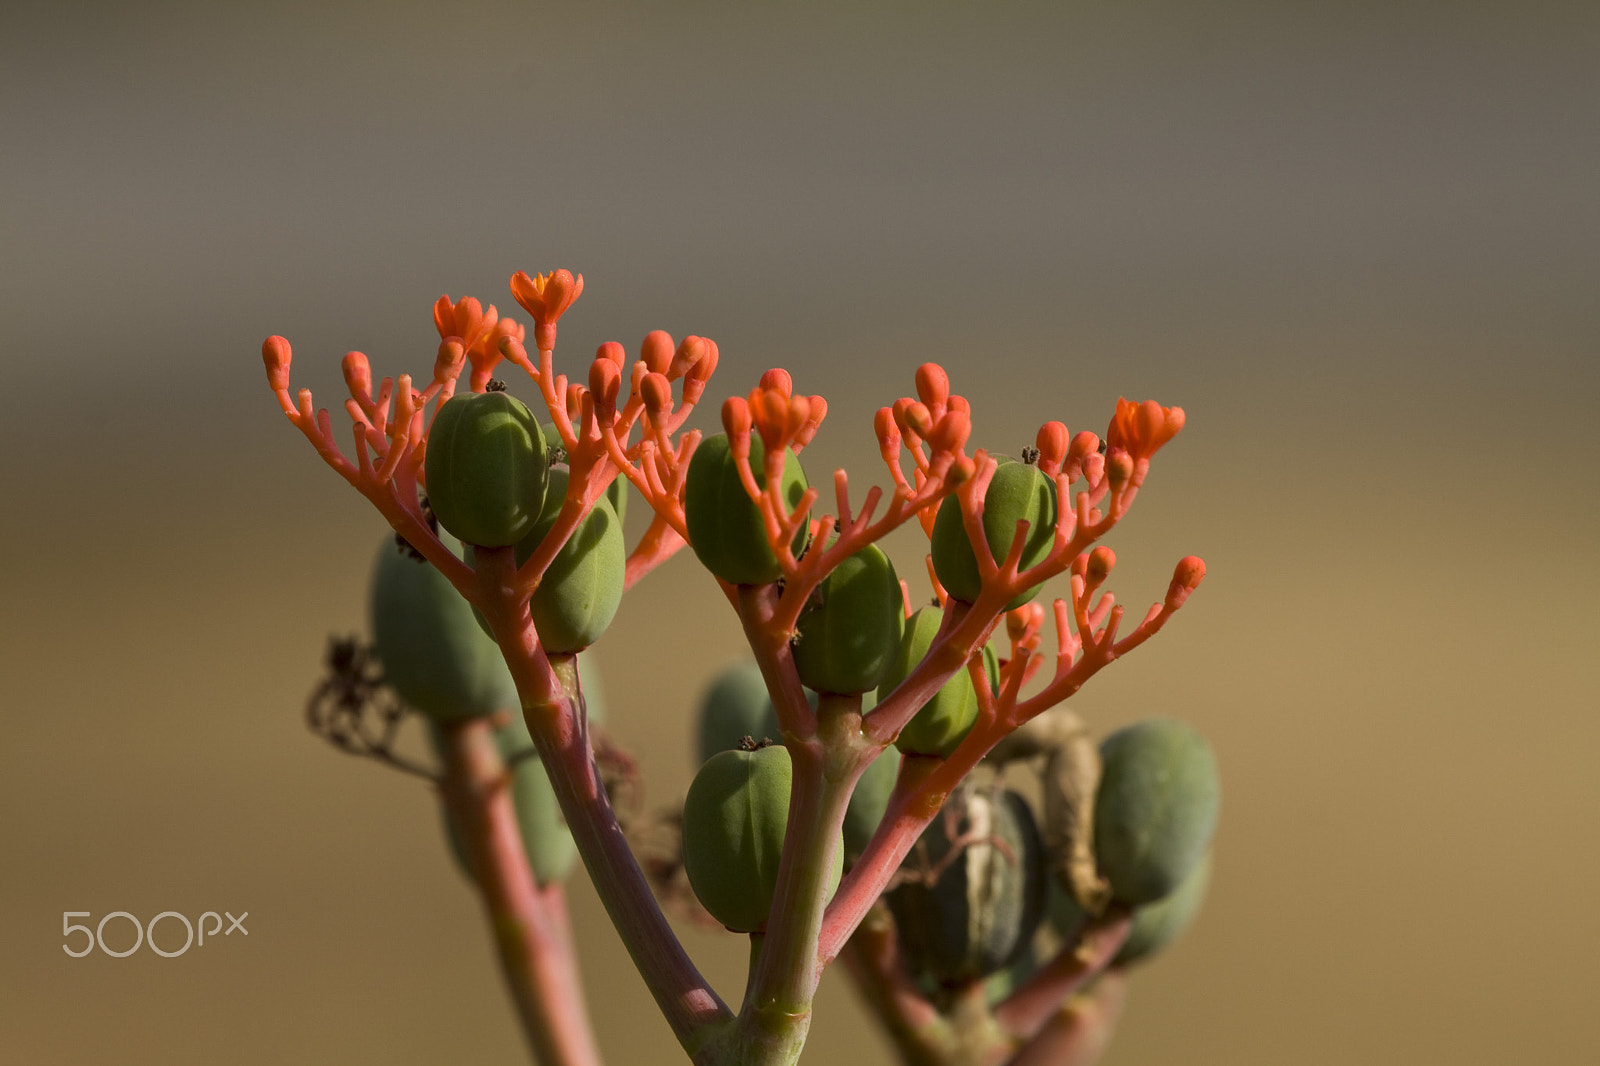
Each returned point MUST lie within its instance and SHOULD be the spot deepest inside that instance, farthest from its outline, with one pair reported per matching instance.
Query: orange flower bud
(275, 353)
(779, 381)
(605, 381)
(735, 417)
(656, 392)
(656, 351)
(1186, 577)
(358, 375)
(933, 384)
(1101, 560)
(1052, 442)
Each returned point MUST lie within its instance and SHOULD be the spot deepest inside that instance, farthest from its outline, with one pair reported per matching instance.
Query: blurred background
(1358, 242)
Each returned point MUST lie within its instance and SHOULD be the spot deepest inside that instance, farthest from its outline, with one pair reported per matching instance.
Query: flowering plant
(849, 678)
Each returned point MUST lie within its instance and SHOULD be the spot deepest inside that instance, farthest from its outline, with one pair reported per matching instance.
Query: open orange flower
(1140, 428)
(546, 297)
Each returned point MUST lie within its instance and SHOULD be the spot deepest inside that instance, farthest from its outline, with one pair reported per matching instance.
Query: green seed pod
(944, 721)
(616, 492)
(734, 707)
(433, 653)
(870, 800)
(487, 467)
(850, 633)
(582, 589)
(1155, 925)
(1017, 491)
(725, 527)
(1155, 809)
(985, 903)
(734, 819)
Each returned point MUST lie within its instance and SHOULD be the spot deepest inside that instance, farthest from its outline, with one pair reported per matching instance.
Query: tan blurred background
(1359, 243)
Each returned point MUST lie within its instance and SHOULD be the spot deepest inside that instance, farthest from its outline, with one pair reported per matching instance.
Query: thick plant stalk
(553, 707)
(532, 934)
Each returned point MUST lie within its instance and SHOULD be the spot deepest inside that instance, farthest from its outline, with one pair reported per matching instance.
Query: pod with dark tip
(487, 467)
(944, 721)
(1155, 809)
(1017, 491)
(434, 655)
(850, 632)
(963, 916)
(726, 530)
(734, 819)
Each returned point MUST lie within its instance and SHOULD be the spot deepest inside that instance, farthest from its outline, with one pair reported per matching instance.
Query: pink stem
(553, 707)
(1025, 1011)
(1080, 1032)
(531, 930)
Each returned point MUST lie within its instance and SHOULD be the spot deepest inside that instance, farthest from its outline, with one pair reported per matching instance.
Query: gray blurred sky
(181, 179)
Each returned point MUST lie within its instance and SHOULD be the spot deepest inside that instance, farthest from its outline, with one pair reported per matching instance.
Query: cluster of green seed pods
(433, 653)
(487, 468)
(734, 820)
(726, 530)
(1017, 491)
(976, 890)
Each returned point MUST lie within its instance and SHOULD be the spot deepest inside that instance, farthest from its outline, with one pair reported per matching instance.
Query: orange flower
(1140, 428)
(546, 297)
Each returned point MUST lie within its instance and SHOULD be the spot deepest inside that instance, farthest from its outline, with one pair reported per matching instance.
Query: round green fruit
(734, 819)
(1155, 809)
(982, 909)
(487, 467)
(725, 526)
(580, 592)
(850, 633)
(734, 707)
(433, 653)
(1017, 491)
(944, 721)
